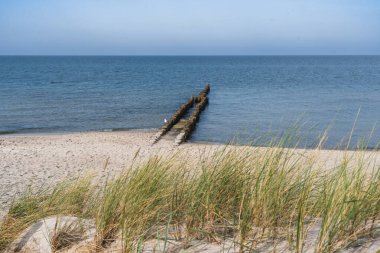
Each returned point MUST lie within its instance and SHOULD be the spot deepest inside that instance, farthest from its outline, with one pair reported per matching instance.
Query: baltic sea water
(252, 97)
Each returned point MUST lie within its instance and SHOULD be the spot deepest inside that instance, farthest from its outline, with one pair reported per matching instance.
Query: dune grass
(66, 234)
(245, 194)
(66, 198)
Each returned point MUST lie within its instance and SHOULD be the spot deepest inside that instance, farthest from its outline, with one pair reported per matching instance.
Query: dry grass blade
(66, 234)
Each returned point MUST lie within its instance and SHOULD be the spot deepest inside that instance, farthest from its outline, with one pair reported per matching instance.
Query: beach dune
(41, 160)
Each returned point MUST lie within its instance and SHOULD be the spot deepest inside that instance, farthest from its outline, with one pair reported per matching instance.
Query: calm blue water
(253, 96)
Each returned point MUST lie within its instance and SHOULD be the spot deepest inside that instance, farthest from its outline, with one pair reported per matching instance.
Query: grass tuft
(250, 195)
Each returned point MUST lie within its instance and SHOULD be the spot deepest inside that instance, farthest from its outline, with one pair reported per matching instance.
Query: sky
(189, 27)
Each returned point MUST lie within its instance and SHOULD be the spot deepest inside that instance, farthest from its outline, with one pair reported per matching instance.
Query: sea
(253, 99)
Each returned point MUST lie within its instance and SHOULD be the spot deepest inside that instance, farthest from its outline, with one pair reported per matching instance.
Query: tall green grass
(71, 198)
(245, 194)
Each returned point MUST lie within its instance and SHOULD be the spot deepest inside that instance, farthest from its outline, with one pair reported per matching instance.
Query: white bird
(165, 120)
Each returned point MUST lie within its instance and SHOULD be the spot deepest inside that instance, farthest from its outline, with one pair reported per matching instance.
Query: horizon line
(175, 55)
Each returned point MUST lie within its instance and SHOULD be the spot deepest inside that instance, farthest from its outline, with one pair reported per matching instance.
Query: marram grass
(66, 198)
(246, 194)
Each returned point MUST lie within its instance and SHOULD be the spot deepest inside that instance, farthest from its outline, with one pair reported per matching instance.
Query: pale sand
(42, 160)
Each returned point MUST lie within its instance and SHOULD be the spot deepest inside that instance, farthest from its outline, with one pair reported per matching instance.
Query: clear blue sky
(189, 27)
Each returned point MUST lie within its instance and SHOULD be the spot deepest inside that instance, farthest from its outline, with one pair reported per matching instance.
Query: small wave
(2, 132)
(29, 130)
(123, 129)
(114, 129)
(120, 129)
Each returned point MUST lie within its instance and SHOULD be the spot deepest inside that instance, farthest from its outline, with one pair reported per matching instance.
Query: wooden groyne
(200, 102)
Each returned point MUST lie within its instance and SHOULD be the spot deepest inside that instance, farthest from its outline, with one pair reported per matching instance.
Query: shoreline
(154, 130)
(48, 133)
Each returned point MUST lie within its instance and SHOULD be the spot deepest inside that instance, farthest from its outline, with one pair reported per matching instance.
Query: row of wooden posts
(200, 103)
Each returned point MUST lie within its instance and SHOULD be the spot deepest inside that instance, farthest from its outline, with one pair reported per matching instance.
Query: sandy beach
(40, 160)
(44, 159)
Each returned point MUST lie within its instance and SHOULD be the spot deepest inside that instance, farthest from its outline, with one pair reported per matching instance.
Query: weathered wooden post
(201, 102)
